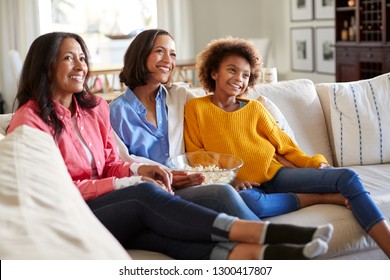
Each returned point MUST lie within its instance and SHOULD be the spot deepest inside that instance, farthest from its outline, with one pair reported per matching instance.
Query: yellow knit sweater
(250, 133)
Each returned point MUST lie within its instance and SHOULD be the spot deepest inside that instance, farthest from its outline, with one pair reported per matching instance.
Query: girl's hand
(323, 165)
(243, 185)
(182, 179)
(158, 174)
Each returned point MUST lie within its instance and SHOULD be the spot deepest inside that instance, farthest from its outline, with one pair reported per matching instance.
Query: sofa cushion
(298, 99)
(277, 115)
(349, 240)
(43, 215)
(5, 119)
(358, 118)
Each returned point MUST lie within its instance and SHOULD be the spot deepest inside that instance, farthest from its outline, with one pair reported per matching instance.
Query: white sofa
(347, 122)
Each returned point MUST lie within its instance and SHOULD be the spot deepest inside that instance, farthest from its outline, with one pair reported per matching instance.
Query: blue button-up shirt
(128, 119)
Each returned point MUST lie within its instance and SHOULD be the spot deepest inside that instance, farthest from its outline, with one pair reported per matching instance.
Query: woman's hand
(158, 174)
(158, 183)
(182, 179)
(243, 185)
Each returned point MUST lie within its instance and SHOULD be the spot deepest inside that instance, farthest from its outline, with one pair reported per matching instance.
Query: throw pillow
(295, 100)
(43, 215)
(278, 116)
(360, 118)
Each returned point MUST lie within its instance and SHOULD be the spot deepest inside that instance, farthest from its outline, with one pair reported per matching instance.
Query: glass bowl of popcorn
(218, 168)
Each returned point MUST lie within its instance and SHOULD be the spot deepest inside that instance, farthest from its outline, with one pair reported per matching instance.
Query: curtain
(175, 16)
(19, 27)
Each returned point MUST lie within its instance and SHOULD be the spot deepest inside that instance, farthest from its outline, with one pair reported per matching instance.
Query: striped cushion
(360, 116)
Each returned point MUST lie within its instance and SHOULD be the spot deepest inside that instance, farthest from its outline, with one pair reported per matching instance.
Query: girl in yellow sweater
(225, 122)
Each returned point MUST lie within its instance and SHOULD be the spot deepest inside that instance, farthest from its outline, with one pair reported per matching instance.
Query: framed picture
(325, 50)
(324, 9)
(302, 49)
(301, 10)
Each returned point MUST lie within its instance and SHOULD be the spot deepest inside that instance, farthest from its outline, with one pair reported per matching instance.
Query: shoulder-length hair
(37, 78)
(135, 72)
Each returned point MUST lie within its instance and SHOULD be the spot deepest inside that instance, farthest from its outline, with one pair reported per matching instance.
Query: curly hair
(209, 60)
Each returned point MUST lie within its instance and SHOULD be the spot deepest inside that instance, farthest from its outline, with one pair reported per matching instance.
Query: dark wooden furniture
(365, 52)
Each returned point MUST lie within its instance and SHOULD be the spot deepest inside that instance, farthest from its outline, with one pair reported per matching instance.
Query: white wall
(250, 19)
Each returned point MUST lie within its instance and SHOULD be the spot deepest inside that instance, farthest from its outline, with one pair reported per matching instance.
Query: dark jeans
(146, 217)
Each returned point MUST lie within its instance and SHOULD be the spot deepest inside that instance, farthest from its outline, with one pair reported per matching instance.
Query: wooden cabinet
(346, 63)
(362, 39)
(387, 62)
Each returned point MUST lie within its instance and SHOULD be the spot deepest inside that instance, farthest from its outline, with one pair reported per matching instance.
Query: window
(107, 26)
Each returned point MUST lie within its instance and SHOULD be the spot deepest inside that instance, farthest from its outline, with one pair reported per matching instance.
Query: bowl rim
(167, 162)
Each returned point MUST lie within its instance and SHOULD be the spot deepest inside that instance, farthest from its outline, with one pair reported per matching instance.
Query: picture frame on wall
(325, 50)
(324, 9)
(301, 10)
(302, 51)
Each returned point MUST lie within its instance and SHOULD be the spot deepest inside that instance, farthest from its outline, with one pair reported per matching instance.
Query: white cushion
(5, 119)
(296, 100)
(349, 240)
(43, 215)
(277, 115)
(360, 118)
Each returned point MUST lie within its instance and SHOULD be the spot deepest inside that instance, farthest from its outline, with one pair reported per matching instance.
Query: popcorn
(217, 168)
(213, 173)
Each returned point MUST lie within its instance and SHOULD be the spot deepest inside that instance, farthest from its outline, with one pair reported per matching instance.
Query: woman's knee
(224, 189)
(143, 188)
(224, 192)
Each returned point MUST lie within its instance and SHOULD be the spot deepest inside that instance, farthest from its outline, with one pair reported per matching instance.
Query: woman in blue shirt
(147, 118)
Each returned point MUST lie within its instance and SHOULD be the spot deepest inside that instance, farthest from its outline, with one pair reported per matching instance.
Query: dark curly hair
(209, 60)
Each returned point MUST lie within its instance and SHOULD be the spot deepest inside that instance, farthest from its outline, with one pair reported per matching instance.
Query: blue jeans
(221, 198)
(277, 196)
(146, 217)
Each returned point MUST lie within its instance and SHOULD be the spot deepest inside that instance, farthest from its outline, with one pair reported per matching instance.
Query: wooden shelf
(366, 54)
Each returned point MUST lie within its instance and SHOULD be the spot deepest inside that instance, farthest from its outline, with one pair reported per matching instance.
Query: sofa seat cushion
(43, 215)
(349, 239)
